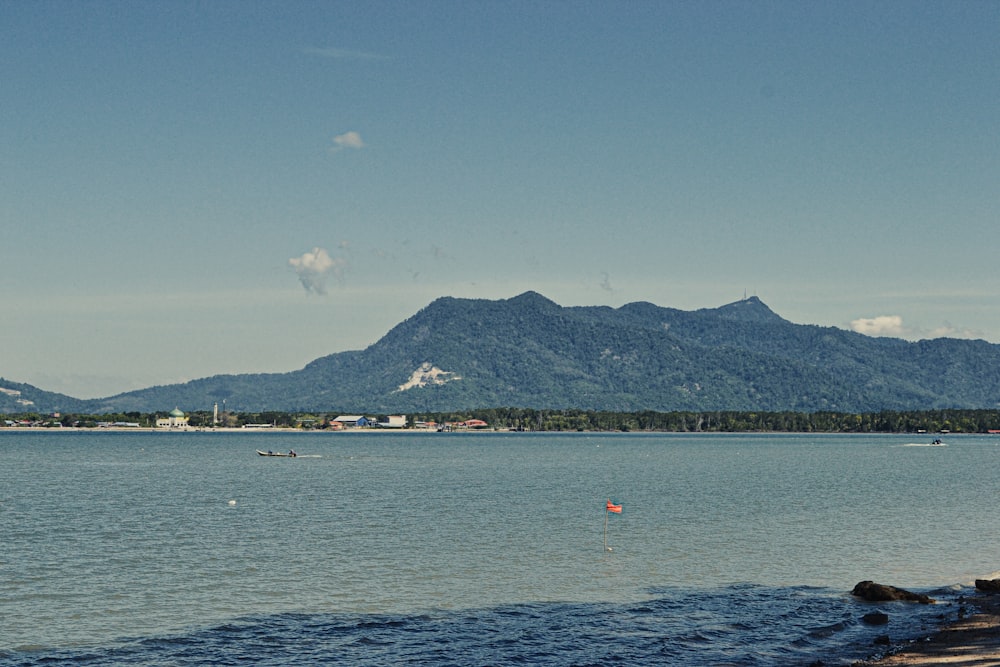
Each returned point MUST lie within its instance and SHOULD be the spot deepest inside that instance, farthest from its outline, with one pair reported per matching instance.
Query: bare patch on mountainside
(428, 374)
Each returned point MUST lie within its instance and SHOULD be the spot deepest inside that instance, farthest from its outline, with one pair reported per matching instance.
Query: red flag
(617, 509)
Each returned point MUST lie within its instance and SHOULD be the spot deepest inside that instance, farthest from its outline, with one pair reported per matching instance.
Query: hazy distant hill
(17, 397)
(530, 352)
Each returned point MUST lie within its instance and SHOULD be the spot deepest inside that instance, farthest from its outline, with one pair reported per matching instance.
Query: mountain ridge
(528, 351)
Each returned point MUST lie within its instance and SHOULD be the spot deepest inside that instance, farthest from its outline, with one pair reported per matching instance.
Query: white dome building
(177, 419)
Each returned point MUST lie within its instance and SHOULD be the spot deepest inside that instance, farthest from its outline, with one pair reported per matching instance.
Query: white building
(394, 421)
(177, 419)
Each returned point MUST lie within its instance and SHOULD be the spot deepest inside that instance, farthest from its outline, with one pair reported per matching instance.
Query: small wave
(828, 630)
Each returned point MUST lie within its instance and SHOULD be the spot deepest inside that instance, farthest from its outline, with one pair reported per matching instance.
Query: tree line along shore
(528, 419)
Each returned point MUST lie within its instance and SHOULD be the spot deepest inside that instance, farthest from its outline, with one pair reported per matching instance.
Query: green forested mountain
(17, 397)
(530, 352)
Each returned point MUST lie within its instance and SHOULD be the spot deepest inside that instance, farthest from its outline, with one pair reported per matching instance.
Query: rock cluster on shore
(872, 592)
(988, 585)
(967, 639)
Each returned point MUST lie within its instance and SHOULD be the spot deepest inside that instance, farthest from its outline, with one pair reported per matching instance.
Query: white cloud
(892, 326)
(883, 325)
(314, 267)
(347, 140)
(948, 331)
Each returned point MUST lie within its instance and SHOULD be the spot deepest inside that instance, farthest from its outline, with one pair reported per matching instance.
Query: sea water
(152, 548)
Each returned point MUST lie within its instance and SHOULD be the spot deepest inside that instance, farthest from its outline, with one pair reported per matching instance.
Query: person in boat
(269, 452)
(291, 452)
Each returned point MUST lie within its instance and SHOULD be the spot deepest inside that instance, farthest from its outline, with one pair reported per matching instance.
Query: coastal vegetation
(527, 419)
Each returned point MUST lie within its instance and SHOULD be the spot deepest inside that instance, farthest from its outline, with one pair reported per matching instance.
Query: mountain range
(528, 351)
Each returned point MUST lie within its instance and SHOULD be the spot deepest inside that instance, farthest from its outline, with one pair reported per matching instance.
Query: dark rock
(882, 640)
(872, 592)
(875, 618)
(988, 585)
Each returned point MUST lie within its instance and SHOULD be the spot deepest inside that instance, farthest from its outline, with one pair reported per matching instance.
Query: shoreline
(221, 429)
(386, 430)
(973, 638)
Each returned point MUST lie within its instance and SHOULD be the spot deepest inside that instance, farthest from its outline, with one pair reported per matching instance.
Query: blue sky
(194, 188)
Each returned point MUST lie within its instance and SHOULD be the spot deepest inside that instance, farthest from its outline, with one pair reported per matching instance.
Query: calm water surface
(440, 549)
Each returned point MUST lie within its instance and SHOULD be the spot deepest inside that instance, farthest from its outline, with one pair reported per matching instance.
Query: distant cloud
(343, 54)
(948, 331)
(892, 325)
(347, 140)
(314, 267)
(883, 325)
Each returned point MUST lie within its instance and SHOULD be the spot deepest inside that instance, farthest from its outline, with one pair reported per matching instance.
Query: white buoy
(232, 503)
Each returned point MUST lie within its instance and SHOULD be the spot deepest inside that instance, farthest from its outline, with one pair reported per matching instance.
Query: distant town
(178, 420)
(528, 419)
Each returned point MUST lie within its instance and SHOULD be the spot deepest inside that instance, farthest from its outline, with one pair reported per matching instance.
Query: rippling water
(454, 549)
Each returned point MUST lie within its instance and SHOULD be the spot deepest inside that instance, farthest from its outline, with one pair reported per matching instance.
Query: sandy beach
(972, 639)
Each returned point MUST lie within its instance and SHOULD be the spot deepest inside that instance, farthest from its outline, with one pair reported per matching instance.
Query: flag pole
(606, 513)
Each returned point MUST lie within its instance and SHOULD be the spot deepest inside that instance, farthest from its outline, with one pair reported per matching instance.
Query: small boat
(290, 454)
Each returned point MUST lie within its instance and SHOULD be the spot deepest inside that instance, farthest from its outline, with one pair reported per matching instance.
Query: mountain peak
(750, 309)
(531, 298)
(531, 301)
